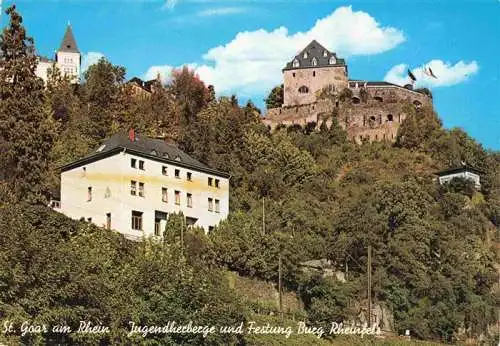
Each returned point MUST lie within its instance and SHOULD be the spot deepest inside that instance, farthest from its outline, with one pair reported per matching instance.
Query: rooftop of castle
(68, 43)
(314, 55)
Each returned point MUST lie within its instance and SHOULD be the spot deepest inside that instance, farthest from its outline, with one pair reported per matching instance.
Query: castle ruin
(317, 89)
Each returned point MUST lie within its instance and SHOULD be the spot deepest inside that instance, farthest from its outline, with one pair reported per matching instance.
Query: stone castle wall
(376, 116)
(314, 79)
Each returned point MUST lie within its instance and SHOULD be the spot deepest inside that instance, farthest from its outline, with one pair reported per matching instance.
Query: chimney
(131, 135)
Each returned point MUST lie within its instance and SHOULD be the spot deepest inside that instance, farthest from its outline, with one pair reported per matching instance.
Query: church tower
(68, 56)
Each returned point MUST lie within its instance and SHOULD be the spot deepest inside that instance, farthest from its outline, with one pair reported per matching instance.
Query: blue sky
(240, 46)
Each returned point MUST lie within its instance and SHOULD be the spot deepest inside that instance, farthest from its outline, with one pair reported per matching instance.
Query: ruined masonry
(317, 88)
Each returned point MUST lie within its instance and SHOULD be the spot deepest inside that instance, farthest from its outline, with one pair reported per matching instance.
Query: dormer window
(101, 148)
(296, 63)
(305, 55)
(177, 158)
(325, 53)
(314, 62)
(332, 60)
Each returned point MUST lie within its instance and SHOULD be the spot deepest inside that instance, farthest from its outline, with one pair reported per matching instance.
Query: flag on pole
(412, 76)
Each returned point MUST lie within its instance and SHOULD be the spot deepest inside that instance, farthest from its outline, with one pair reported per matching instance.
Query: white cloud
(89, 59)
(251, 63)
(170, 4)
(446, 73)
(165, 72)
(221, 11)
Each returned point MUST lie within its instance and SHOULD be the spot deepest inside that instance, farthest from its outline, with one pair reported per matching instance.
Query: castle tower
(68, 56)
(315, 68)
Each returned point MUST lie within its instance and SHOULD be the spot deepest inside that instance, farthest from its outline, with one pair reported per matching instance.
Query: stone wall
(376, 116)
(314, 79)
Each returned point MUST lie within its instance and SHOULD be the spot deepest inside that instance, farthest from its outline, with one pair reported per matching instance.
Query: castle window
(380, 119)
(303, 89)
(389, 117)
(314, 73)
(305, 55)
(417, 103)
(296, 63)
(314, 62)
(325, 53)
(293, 74)
(332, 60)
(356, 100)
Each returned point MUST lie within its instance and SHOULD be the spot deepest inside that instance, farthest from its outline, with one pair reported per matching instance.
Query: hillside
(323, 196)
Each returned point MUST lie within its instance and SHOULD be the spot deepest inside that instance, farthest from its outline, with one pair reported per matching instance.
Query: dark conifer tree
(26, 127)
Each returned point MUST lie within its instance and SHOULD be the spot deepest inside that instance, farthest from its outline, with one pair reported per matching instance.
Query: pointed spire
(68, 43)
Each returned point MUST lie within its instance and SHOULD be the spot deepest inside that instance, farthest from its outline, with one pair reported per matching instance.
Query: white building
(67, 59)
(464, 172)
(131, 184)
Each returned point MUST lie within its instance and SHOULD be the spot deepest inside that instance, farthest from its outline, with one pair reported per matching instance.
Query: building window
(217, 183)
(210, 204)
(390, 117)
(108, 221)
(332, 60)
(133, 187)
(314, 62)
(141, 165)
(157, 227)
(305, 55)
(303, 89)
(189, 176)
(210, 181)
(325, 53)
(89, 193)
(178, 173)
(136, 220)
(141, 189)
(293, 74)
(189, 200)
(314, 73)
(164, 194)
(296, 63)
(164, 170)
(133, 163)
(217, 206)
(177, 197)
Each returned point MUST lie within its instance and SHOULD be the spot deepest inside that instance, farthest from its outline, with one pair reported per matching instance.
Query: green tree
(26, 126)
(103, 98)
(276, 97)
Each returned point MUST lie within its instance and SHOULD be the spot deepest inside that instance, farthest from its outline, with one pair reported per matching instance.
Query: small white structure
(464, 172)
(67, 59)
(131, 183)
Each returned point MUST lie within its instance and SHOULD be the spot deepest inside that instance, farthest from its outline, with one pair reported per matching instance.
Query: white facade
(67, 59)
(42, 69)
(101, 192)
(69, 65)
(464, 175)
